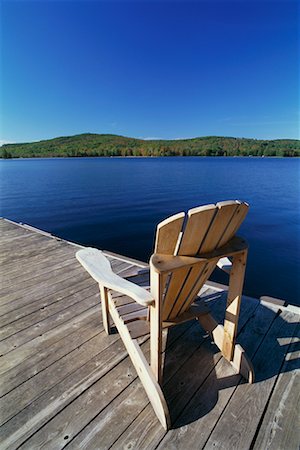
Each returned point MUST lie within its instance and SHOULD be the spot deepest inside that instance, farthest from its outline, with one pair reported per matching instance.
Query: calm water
(115, 204)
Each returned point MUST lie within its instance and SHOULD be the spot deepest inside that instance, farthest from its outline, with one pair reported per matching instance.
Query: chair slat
(187, 286)
(200, 282)
(238, 217)
(167, 234)
(173, 290)
(199, 220)
(131, 307)
(218, 226)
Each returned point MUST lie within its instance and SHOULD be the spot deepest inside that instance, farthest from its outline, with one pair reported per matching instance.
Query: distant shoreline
(38, 158)
(106, 145)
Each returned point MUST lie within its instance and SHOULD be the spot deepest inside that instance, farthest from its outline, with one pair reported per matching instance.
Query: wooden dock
(65, 383)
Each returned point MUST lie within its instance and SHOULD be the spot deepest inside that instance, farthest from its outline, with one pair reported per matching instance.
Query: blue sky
(150, 69)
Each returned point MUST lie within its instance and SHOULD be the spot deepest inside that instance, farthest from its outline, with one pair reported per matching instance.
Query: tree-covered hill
(112, 145)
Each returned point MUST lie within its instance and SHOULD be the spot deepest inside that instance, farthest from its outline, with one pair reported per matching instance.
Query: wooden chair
(187, 250)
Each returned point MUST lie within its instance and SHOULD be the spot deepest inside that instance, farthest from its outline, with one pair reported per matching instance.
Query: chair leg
(240, 362)
(234, 297)
(157, 284)
(105, 308)
(155, 344)
(144, 371)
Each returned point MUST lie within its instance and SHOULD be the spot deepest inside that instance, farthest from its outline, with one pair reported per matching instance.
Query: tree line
(113, 145)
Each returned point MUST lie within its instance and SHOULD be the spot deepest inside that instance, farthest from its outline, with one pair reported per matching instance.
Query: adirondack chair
(187, 250)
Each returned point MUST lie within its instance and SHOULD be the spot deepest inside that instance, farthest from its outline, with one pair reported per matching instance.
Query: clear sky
(150, 69)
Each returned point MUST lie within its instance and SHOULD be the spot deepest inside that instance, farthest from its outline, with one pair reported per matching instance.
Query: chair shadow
(194, 376)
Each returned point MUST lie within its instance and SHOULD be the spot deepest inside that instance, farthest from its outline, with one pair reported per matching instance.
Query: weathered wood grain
(279, 429)
(39, 279)
(94, 397)
(47, 324)
(74, 290)
(46, 312)
(72, 390)
(44, 285)
(67, 280)
(16, 268)
(44, 265)
(249, 400)
(39, 361)
(64, 383)
(42, 341)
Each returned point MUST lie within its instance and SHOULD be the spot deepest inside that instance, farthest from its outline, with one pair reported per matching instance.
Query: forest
(89, 144)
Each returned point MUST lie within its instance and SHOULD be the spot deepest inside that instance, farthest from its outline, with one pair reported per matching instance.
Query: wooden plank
(175, 285)
(29, 250)
(92, 385)
(48, 311)
(40, 279)
(141, 314)
(182, 381)
(129, 308)
(280, 425)
(84, 393)
(39, 361)
(10, 239)
(20, 397)
(116, 417)
(12, 230)
(112, 420)
(167, 234)
(235, 289)
(237, 219)
(75, 289)
(196, 422)
(122, 300)
(20, 338)
(36, 348)
(249, 400)
(19, 236)
(218, 226)
(118, 266)
(15, 268)
(185, 290)
(208, 269)
(18, 353)
(195, 230)
(50, 289)
(42, 265)
(129, 269)
(136, 262)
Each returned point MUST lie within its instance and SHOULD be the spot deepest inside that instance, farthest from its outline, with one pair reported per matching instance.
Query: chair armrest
(168, 263)
(98, 266)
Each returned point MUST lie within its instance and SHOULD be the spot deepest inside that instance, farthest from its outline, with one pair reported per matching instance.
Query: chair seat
(135, 316)
(132, 314)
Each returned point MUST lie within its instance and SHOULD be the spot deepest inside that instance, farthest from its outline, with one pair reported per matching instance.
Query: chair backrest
(202, 230)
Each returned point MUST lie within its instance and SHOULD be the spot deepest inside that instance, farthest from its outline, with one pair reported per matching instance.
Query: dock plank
(249, 401)
(73, 290)
(39, 343)
(29, 333)
(65, 383)
(278, 430)
(30, 367)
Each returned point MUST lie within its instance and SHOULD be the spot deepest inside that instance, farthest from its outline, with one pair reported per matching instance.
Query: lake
(116, 203)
